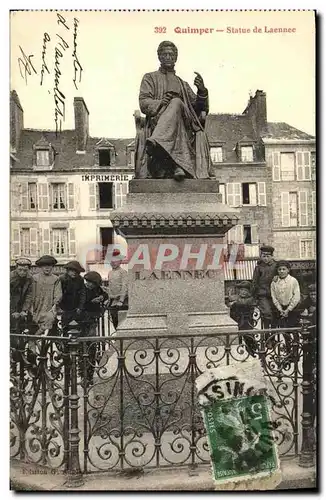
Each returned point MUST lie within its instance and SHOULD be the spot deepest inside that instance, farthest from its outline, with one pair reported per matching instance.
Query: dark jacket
(94, 310)
(262, 278)
(20, 292)
(308, 305)
(242, 312)
(73, 293)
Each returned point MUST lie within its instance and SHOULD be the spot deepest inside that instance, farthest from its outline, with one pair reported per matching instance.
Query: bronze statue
(171, 142)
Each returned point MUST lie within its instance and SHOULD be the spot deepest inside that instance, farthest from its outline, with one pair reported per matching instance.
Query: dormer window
(247, 153)
(216, 154)
(42, 158)
(104, 157)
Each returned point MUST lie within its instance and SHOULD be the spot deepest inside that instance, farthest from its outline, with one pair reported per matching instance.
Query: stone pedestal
(164, 218)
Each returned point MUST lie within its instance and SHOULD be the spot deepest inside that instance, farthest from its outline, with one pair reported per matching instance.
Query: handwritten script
(28, 66)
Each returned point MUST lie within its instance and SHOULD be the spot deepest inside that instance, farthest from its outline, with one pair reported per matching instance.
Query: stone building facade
(64, 187)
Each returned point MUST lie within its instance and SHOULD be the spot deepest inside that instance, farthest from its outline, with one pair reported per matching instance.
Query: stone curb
(31, 478)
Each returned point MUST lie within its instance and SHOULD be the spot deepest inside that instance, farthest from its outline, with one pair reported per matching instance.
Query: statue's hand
(199, 82)
(167, 98)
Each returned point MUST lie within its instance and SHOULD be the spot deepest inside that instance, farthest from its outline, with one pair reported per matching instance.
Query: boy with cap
(309, 305)
(264, 273)
(285, 292)
(242, 311)
(73, 293)
(93, 310)
(47, 294)
(21, 283)
(117, 288)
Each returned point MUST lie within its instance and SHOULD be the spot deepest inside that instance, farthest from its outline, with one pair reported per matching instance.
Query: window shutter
(285, 202)
(72, 242)
(16, 243)
(231, 235)
(92, 196)
(307, 169)
(229, 194)
(313, 208)
(71, 196)
(117, 194)
(221, 188)
(303, 208)
(43, 196)
(33, 241)
(252, 194)
(46, 241)
(299, 161)
(276, 166)
(124, 192)
(254, 233)
(237, 194)
(239, 234)
(262, 194)
(24, 196)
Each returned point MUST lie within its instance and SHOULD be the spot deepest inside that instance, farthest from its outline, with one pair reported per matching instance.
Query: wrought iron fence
(113, 403)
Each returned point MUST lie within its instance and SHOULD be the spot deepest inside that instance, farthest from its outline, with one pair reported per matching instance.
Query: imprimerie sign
(106, 177)
(176, 275)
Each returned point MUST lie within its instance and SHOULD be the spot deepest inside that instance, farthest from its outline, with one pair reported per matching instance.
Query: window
(59, 196)
(104, 157)
(60, 242)
(303, 208)
(303, 166)
(221, 189)
(250, 235)
(313, 208)
(249, 194)
(313, 165)
(293, 209)
(216, 154)
(287, 166)
(247, 153)
(121, 190)
(32, 195)
(235, 235)
(275, 161)
(25, 242)
(233, 194)
(132, 158)
(105, 194)
(42, 157)
(106, 237)
(307, 249)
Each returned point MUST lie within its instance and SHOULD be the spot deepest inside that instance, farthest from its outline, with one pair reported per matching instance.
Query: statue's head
(168, 54)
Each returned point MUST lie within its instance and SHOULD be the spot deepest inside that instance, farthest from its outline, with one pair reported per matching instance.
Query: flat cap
(22, 261)
(75, 266)
(283, 263)
(267, 249)
(244, 284)
(93, 277)
(312, 287)
(46, 260)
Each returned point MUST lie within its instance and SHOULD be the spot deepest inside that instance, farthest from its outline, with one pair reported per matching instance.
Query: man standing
(47, 294)
(117, 288)
(175, 138)
(264, 273)
(242, 311)
(73, 293)
(21, 283)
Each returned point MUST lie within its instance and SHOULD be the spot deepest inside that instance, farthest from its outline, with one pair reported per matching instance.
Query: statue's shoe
(179, 174)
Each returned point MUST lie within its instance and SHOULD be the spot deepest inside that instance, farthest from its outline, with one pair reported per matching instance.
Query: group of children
(277, 296)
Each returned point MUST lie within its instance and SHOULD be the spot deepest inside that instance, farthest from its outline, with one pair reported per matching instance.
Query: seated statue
(170, 141)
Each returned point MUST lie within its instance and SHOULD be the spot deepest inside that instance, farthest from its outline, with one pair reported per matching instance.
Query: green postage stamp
(236, 412)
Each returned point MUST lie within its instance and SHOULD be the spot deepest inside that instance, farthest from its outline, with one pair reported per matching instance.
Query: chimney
(16, 120)
(257, 111)
(81, 123)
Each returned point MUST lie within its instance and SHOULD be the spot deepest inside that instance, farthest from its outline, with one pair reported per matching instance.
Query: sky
(115, 49)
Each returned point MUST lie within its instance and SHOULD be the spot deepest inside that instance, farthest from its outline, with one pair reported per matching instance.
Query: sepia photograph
(163, 281)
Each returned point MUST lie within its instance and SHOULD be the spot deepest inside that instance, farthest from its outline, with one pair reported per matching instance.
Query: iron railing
(113, 403)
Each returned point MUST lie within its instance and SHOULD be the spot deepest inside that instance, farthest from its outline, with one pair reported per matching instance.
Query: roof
(283, 131)
(64, 145)
(228, 129)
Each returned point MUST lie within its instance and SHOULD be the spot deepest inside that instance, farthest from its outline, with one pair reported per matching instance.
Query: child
(73, 293)
(242, 312)
(93, 310)
(118, 288)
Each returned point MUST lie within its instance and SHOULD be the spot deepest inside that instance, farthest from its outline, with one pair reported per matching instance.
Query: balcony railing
(111, 403)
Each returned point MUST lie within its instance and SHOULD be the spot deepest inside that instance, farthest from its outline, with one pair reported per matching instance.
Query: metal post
(75, 477)
(307, 453)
